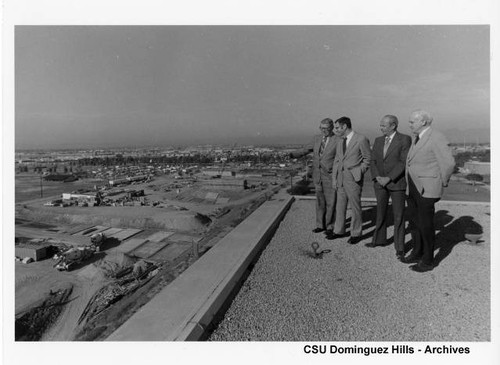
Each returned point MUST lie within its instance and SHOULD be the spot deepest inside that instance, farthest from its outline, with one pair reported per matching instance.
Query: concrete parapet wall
(187, 306)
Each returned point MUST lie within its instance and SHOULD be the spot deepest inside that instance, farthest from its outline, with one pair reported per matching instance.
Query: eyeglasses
(325, 128)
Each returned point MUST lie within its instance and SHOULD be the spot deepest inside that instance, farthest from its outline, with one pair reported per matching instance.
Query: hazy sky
(162, 85)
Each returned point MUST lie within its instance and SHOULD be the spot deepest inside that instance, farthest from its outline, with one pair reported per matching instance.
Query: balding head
(392, 119)
(423, 116)
(388, 124)
(419, 120)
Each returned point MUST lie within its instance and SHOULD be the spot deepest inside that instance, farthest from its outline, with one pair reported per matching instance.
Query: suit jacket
(355, 161)
(430, 164)
(393, 164)
(323, 163)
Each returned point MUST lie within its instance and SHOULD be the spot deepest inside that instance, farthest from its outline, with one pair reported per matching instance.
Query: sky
(113, 86)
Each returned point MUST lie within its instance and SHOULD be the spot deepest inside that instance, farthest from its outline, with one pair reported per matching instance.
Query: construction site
(87, 259)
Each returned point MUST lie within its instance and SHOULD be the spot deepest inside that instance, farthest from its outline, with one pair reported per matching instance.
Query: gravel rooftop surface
(356, 293)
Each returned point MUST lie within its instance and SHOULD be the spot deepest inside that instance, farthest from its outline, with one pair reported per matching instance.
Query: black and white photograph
(307, 188)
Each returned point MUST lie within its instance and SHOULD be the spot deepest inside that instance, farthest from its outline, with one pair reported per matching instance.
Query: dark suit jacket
(394, 162)
(321, 163)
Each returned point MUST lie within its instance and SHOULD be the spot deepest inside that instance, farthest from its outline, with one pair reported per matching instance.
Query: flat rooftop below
(356, 293)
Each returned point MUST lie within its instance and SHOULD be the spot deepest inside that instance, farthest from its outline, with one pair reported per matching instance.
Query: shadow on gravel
(312, 253)
(451, 232)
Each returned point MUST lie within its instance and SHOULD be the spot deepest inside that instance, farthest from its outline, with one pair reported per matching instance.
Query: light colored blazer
(356, 160)
(430, 164)
(321, 164)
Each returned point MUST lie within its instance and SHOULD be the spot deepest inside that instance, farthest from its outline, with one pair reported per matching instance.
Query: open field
(27, 187)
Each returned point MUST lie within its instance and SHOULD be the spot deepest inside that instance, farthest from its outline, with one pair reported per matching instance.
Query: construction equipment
(97, 240)
(69, 259)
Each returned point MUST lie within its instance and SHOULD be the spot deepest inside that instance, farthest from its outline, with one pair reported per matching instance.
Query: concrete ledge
(186, 307)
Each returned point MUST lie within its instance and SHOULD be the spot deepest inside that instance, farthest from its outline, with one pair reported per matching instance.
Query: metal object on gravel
(318, 254)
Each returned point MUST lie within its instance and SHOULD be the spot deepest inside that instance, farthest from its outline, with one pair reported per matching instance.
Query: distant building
(218, 172)
(223, 184)
(89, 198)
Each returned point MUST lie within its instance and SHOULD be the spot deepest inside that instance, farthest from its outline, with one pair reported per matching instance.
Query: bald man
(429, 166)
(388, 174)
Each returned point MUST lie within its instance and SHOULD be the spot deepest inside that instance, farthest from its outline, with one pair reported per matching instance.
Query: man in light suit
(388, 174)
(323, 148)
(429, 166)
(352, 160)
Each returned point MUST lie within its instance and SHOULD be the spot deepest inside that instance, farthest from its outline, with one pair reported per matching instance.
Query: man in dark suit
(429, 166)
(352, 160)
(323, 148)
(388, 174)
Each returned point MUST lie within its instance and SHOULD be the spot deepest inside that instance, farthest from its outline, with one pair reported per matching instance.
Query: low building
(476, 167)
(89, 198)
(224, 184)
(36, 251)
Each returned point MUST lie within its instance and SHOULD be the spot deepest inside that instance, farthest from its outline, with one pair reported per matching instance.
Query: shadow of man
(450, 234)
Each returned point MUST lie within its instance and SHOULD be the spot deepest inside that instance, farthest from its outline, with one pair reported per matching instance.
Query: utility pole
(41, 187)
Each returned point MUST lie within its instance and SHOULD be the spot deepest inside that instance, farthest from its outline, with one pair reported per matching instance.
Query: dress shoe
(353, 240)
(421, 267)
(334, 236)
(372, 245)
(318, 230)
(329, 232)
(400, 255)
(412, 259)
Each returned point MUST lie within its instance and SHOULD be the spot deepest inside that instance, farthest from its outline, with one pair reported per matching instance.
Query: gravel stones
(355, 293)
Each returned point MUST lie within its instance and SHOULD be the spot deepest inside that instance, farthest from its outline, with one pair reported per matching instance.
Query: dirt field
(91, 301)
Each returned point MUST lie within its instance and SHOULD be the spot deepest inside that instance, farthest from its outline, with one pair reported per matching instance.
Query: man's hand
(383, 180)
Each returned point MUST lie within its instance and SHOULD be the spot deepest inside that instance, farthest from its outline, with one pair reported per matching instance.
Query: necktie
(417, 138)
(386, 145)
(322, 145)
(344, 145)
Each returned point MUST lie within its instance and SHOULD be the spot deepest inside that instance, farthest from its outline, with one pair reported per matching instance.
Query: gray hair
(423, 116)
(327, 121)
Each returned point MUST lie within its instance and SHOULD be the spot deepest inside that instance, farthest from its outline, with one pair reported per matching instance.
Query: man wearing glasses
(323, 148)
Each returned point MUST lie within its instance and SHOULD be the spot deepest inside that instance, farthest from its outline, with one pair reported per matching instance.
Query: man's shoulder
(403, 137)
(359, 136)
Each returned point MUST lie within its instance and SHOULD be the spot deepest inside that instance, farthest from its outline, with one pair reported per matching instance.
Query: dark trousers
(398, 206)
(421, 215)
